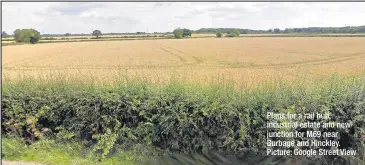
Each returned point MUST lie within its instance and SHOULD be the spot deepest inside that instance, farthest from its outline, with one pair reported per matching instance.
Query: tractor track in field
(176, 53)
(225, 65)
(197, 60)
(170, 52)
(178, 56)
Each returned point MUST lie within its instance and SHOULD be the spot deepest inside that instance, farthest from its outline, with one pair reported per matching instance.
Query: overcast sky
(83, 17)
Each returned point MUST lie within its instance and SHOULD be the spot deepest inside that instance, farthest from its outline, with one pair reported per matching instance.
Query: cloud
(75, 7)
(183, 17)
(82, 17)
(139, 5)
(162, 4)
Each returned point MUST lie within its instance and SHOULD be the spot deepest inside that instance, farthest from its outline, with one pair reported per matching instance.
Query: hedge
(174, 119)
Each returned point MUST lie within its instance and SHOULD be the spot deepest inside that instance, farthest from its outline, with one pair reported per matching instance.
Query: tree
(186, 33)
(4, 34)
(178, 33)
(96, 33)
(286, 30)
(313, 30)
(276, 30)
(219, 34)
(27, 35)
(33, 40)
(236, 33)
(67, 34)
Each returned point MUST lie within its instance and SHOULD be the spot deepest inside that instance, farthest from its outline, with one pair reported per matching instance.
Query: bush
(234, 33)
(174, 119)
(178, 33)
(186, 33)
(219, 34)
(27, 35)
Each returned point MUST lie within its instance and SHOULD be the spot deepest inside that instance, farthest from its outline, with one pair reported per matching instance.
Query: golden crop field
(202, 35)
(197, 60)
(7, 41)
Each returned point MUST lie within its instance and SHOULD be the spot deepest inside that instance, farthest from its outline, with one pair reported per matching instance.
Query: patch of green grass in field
(49, 152)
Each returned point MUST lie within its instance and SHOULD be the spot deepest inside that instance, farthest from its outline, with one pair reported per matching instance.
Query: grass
(50, 152)
(277, 91)
(221, 86)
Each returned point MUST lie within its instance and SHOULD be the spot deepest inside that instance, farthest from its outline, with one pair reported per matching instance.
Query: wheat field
(200, 60)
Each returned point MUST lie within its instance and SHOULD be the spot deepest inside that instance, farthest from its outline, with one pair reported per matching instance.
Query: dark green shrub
(186, 33)
(174, 119)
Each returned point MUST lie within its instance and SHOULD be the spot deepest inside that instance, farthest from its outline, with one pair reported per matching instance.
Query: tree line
(33, 36)
(314, 30)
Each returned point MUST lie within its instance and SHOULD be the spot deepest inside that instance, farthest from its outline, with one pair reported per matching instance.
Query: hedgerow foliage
(175, 119)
